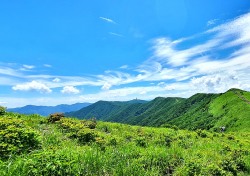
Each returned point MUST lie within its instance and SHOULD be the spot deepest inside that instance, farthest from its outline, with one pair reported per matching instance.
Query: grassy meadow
(34, 145)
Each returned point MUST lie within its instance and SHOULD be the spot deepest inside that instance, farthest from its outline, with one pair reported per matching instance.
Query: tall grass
(118, 149)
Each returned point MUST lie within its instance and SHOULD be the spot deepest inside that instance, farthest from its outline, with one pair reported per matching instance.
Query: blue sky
(54, 52)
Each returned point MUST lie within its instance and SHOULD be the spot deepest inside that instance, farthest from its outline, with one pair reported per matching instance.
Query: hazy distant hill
(204, 111)
(46, 110)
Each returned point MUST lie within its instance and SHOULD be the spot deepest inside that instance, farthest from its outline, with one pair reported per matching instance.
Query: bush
(202, 133)
(166, 125)
(84, 135)
(168, 140)
(140, 141)
(216, 170)
(50, 163)
(91, 123)
(113, 142)
(55, 117)
(193, 168)
(2, 110)
(230, 137)
(16, 137)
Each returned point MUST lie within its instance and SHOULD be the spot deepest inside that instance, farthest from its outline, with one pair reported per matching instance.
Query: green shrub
(84, 135)
(230, 137)
(55, 117)
(168, 140)
(193, 168)
(16, 137)
(69, 125)
(141, 141)
(202, 133)
(2, 110)
(101, 143)
(216, 170)
(166, 125)
(91, 123)
(50, 163)
(113, 142)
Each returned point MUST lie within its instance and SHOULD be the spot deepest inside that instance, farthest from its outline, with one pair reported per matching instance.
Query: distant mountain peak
(46, 110)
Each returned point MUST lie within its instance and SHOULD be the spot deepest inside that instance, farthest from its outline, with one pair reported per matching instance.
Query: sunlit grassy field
(33, 145)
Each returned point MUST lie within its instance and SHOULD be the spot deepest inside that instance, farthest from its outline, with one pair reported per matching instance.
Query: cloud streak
(107, 20)
(115, 34)
(212, 22)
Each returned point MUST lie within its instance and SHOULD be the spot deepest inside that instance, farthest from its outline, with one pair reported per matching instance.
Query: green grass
(70, 147)
(231, 112)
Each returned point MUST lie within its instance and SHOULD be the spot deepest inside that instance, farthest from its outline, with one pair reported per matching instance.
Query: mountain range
(46, 110)
(201, 111)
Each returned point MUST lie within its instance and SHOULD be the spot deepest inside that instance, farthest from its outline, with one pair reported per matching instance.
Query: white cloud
(70, 90)
(115, 34)
(170, 61)
(10, 72)
(142, 92)
(124, 66)
(28, 66)
(56, 80)
(219, 82)
(165, 51)
(106, 86)
(34, 85)
(212, 22)
(47, 65)
(161, 83)
(107, 20)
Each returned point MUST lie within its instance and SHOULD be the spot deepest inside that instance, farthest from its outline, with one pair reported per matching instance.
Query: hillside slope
(232, 109)
(106, 110)
(201, 111)
(33, 145)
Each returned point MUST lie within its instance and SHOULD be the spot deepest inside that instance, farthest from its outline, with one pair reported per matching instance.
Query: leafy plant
(55, 117)
(2, 110)
(50, 163)
(141, 141)
(16, 137)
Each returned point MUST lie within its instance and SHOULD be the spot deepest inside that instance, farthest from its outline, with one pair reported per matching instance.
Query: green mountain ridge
(201, 111)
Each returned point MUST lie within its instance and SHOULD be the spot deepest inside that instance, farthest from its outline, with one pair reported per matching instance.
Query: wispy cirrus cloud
(124, 66)
(28, 66)
(172, 59)
(47, 65)
(107, 20)
(115, 34)
(9, 71)
(212, 22)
